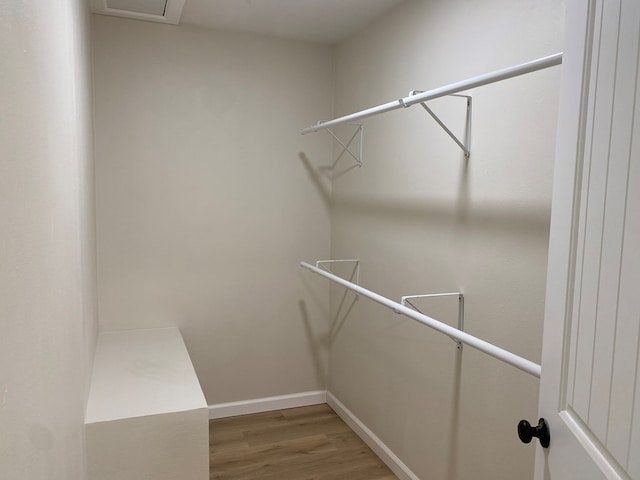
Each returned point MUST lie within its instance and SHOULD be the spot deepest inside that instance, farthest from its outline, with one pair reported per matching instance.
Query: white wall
(423, 220)
(47, 274)
(204, 205)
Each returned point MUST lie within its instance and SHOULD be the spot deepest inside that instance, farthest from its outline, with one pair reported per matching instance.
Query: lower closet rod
(474, 342)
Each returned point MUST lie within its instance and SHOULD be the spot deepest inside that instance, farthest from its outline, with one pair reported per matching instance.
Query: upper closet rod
(478, 81)
(482, 345)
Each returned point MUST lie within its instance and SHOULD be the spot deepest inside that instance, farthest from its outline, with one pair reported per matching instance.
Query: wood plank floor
(308, 443)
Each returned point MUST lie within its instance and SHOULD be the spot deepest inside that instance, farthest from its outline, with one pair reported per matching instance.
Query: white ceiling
(324, 21)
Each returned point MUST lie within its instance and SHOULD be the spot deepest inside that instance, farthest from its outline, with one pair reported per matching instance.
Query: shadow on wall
(497, 217)
(328, 172)
(464, 200)
(455, 418)
(337, 322)
(392, 349)
(321, 182)
(339, 318)
(316, 343)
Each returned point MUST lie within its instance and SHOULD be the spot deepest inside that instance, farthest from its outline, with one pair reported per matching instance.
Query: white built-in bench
(147, 418)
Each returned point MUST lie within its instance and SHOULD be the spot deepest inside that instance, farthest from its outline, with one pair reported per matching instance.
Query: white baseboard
(259, 405)
(374, 443)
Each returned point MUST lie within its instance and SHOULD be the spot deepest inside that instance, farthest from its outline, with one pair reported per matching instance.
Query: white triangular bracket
(466, 145)
(355, 273)
(406, 300)
(345, 147)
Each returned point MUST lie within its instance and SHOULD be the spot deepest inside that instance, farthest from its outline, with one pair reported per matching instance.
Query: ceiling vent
(164, 11)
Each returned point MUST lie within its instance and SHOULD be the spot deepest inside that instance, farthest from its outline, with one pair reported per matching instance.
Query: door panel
(590, 377)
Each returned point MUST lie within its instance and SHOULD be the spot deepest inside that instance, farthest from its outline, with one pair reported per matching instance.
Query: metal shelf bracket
(406, 301)
(466, 145)
(355, 273)
(345, 146)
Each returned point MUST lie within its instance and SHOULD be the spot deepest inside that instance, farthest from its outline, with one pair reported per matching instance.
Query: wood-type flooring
(307, 443)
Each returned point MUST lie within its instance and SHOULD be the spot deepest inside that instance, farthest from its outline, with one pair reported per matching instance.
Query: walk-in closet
(319, 239)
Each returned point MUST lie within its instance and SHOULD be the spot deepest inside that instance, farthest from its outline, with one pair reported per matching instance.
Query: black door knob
(526, 432)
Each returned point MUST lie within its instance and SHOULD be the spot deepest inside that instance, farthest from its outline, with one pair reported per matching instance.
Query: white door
(590, 386)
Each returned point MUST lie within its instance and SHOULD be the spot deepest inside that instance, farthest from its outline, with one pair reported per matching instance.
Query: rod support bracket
(466, 145)
(355, 273)
(406, 300)
(345, 146)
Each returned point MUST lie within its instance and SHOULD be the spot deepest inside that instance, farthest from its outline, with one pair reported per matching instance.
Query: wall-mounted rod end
(312, 128)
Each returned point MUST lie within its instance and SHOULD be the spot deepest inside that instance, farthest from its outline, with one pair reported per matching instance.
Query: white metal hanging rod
(473, 82)
(474, 342)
